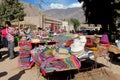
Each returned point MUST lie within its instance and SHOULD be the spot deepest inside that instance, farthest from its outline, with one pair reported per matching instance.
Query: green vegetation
(75, 23)
(11, 10)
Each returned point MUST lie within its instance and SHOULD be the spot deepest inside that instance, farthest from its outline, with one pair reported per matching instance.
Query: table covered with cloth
(58, 65)
(48, 64)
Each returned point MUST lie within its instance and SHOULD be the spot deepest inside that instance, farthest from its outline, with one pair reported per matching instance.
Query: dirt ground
(10, 70)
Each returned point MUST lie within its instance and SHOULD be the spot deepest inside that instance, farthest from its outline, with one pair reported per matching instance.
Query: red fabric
(69, 43)
(103, 42)
(52, 26)
(4, 33)
(31, 64)
(90, 42)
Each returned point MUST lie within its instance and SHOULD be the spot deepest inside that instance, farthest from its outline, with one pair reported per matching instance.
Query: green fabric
(17, 38)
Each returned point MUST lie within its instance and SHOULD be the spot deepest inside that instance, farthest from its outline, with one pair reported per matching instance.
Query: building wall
(65, 25)
(32, 20)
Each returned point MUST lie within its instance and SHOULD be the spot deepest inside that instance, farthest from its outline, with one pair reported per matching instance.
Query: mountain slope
(66, 13)
(78, 13)
(30, 10)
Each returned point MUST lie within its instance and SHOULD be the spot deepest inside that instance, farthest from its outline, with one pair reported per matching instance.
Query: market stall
(63, 53)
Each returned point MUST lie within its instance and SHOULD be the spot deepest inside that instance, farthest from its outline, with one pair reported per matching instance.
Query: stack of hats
(77, 47)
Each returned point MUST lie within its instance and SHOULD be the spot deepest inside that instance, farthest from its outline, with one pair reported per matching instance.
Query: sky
(54, 4)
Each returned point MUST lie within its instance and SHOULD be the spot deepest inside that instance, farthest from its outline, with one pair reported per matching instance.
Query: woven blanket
(53, 64)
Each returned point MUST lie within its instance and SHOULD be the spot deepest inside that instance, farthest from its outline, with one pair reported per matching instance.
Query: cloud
(62, 6)
(75, 5)
(56, 6)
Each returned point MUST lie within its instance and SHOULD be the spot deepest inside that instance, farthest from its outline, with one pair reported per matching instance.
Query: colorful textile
(25, 60)
(24, 55)
(37, 55)
(24, 65)
(17, 38)
(90, 42)
(68, 43)
(62, 39)
(26, 47)
(53, 64)
(24, 52)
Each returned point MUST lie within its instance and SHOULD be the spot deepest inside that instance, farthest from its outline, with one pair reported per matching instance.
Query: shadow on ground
(87, 65)
(5, 55)
(114, 58)
(17, 76)
(3, 74)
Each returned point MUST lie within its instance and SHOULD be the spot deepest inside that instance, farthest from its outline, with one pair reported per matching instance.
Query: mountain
(77, 13)
(30, 10)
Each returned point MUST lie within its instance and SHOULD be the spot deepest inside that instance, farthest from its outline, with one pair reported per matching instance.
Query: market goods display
(78, 44)
(35, 40)
(53, 57)
(62, 39)
(24, 54)
(57, 65)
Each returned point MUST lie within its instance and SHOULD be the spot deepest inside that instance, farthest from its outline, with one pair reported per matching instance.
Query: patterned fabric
(53, 64)
(10, 34)
(25, 60)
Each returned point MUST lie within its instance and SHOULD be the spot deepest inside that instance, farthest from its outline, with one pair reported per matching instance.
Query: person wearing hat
(10, 37)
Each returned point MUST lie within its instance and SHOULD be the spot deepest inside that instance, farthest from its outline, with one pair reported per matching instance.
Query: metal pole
(40, 14)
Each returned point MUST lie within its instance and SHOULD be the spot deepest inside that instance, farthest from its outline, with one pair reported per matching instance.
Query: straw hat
(77, 54)
(75, 36)
(77, 48)
(78, 44)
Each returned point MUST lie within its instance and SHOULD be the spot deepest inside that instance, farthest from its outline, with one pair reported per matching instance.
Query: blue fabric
(31, 59)
(4, 42)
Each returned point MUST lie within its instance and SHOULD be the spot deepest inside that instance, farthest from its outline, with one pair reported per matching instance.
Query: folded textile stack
(41, 54)
(25, 62)
(35, 54)
(24, 55)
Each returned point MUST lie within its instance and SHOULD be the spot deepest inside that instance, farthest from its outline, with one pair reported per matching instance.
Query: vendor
(40, 32)
(10, 37)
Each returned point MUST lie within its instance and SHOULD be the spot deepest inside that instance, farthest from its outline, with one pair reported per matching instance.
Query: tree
(104, 12)
(11, 10)
(75, 23)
